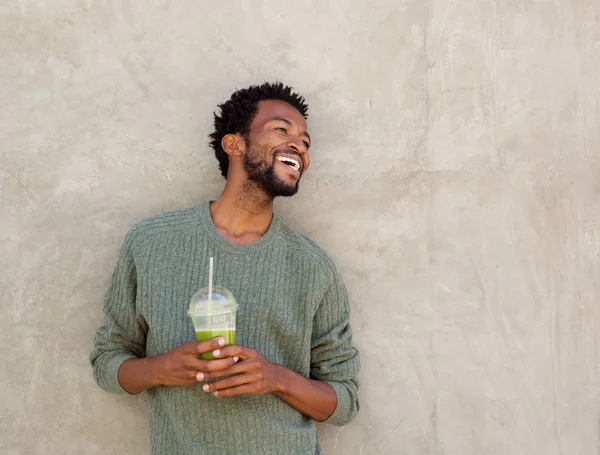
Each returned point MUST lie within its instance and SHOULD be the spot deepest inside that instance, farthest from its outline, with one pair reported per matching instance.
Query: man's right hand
(180, 366)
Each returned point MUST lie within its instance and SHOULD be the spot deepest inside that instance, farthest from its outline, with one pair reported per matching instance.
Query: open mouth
(290, 162)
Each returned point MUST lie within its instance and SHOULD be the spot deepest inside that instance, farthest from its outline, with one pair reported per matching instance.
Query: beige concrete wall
(455, 180)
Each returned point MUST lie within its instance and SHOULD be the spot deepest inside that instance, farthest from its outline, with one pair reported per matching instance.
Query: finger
(193, 376)
(233, 381)
(243, 352)
(188, 380)
(195, 364)
(190, 346)
(242, 367)
(218, 364)
(245, 389)
(209, 345)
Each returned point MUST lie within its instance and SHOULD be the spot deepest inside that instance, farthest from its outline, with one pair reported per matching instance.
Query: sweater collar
(225, 245)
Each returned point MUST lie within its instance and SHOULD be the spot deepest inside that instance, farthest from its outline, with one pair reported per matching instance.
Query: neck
(242, 213)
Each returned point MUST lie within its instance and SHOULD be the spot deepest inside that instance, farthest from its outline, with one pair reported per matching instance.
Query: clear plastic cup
(214, 316)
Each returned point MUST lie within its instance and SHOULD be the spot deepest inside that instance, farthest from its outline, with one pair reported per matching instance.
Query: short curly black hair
(238, 112)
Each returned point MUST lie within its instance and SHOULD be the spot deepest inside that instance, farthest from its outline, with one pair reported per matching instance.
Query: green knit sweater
(293, 309)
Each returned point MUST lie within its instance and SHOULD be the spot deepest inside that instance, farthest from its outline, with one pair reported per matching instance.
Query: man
(295, 363)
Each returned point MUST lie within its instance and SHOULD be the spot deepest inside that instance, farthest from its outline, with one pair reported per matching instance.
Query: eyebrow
(286, 121)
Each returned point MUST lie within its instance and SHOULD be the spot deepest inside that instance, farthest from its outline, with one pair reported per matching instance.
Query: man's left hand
(254, 373)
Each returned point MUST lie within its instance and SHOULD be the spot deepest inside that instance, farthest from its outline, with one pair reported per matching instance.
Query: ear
(233, 144)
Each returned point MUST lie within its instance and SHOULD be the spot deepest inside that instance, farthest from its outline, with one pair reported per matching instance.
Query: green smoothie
(205, 335)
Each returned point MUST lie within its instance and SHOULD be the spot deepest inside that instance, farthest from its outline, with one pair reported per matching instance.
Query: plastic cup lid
(222, 302)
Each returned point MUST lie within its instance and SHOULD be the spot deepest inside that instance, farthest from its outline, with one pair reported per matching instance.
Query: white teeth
(290, 161)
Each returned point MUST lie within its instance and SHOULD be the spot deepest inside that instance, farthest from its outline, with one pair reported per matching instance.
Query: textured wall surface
(455, 180)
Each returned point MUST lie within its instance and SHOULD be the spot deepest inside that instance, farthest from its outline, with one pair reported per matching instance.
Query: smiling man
(295, 363)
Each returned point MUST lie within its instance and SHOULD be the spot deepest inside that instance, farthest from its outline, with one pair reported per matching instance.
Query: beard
(262, 173)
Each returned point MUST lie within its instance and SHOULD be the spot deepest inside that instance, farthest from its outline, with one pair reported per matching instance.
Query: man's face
(277, 148)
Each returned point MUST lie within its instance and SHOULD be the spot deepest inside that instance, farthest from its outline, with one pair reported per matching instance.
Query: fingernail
(221, 341)
(199, 376)
(205, 387)
(216, 394)
(216, 353)
(235, 359)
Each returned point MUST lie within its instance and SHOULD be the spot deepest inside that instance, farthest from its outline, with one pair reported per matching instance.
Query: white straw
(210, 279)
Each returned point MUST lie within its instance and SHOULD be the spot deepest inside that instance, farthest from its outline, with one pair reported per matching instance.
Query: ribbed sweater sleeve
(123, 334)
(333, 358)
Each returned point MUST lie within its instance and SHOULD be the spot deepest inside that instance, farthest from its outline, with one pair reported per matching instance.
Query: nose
(297, 145)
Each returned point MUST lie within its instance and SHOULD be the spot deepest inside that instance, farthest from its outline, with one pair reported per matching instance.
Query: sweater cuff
(109, 380)
(344, 411)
